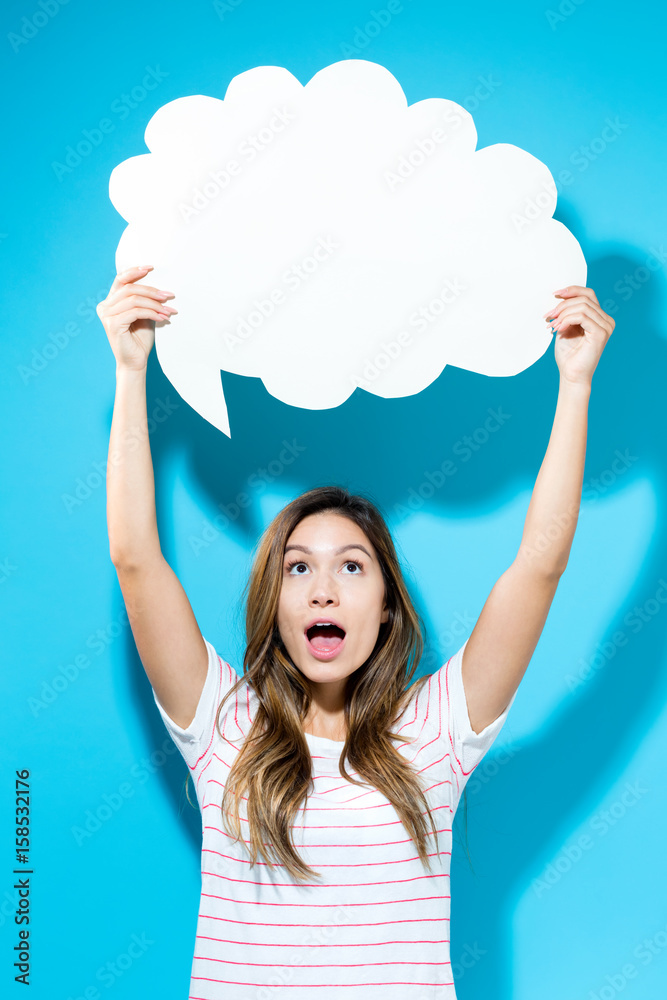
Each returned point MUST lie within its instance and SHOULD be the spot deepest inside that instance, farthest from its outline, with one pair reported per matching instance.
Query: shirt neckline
(323, 743)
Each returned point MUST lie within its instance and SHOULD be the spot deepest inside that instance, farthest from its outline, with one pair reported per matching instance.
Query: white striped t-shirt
(375, 924)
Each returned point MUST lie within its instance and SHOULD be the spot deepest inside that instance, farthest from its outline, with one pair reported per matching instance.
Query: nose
(323, 593)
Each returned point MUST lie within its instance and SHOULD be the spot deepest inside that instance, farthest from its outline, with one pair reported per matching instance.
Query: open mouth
(325, 640)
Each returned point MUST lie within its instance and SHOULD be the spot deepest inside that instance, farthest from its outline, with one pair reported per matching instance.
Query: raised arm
(507, 631)
(164, 627)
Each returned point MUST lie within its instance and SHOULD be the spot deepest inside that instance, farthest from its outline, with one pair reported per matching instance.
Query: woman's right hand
(128, 315)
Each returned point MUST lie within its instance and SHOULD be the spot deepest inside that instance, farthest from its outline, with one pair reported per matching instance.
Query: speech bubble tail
(198, 383)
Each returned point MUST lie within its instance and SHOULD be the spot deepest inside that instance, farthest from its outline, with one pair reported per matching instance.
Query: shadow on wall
(401, 438)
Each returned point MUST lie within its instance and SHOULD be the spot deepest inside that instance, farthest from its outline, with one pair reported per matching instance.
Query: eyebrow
(343, 548)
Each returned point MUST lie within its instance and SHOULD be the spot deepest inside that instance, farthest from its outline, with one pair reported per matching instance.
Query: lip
(320, 654)
(324, 618)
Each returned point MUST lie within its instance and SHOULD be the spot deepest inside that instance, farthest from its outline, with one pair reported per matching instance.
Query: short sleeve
(468, 747)
(194, 741)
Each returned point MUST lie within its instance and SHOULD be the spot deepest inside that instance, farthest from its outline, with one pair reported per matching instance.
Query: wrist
(573, 388)
(127, 374)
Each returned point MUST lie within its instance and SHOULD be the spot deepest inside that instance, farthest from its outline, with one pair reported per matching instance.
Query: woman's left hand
(582, 331)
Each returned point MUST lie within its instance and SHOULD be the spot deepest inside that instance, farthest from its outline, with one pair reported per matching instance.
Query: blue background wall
(567, 814)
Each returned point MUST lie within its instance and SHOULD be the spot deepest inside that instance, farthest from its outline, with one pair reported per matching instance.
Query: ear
(385, 614)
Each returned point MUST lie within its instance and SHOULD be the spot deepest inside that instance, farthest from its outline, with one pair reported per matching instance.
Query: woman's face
(335, 576)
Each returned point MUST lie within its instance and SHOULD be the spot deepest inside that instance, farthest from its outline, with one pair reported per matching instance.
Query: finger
(576, 290)
(128, 294)
(569, 313)
(555, 310)
(158, 293)
(141, 313)
(582, 305)
(584, 317)
(129, 275)
(132, 301)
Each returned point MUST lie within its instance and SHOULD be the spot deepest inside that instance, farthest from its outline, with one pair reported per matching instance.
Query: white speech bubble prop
(329, 236)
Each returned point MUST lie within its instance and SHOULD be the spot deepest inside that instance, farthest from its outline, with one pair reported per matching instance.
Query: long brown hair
(272, 769)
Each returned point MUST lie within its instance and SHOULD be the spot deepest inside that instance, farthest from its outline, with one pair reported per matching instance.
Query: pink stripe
(247, 701)
(308, 986)
(365, 864)
(380, 902)
(382, 843)
(355, 798)
(453, 769)
(416, 736)
(236, 712)
(302, 965)
(201, 773)
(380, 805)
(329, 826)
(336, 776)
(328, 885)
(193, 766)
(416, 715)
(464, 773)
(289, 944)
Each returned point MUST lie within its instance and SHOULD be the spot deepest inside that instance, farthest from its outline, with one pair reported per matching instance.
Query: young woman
(327, 783)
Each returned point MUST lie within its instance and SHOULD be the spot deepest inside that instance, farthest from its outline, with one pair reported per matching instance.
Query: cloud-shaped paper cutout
(329, 236)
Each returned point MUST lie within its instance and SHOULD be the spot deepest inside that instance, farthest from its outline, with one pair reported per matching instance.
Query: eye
(299, 562)
(353, 562)
(295, 562)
